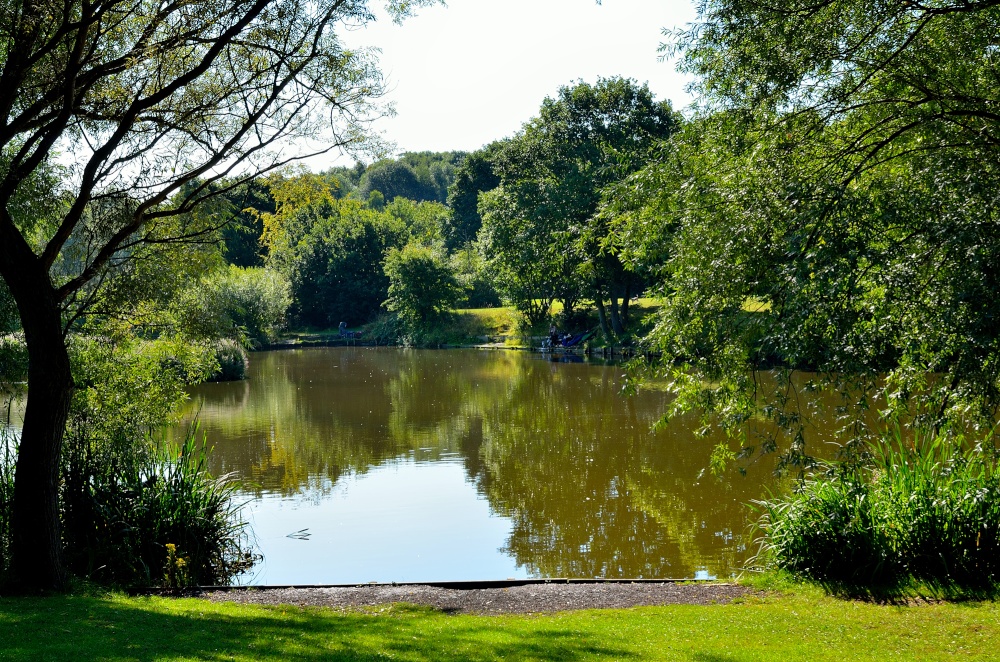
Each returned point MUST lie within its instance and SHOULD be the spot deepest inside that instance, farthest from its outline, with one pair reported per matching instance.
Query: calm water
(381, 464)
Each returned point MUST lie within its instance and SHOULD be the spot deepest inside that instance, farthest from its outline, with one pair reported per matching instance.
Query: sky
(473, 72)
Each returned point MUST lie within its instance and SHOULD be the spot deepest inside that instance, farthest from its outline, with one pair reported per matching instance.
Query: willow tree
(144, 107)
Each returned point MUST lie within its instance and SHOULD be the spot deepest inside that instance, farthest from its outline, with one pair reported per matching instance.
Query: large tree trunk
(36, 553)
(36, 545)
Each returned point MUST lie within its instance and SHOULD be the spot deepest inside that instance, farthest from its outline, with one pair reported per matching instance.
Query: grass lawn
(803, 625)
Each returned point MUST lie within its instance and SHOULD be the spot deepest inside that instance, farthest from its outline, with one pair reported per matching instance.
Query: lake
(382, 464)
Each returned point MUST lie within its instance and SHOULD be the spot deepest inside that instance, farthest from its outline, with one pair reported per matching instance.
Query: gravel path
(515, 599)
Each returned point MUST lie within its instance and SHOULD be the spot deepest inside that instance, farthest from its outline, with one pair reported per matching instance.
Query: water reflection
(562, 471)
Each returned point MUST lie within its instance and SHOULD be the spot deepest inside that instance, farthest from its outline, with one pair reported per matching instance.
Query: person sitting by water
(553, 336)
(343, 330)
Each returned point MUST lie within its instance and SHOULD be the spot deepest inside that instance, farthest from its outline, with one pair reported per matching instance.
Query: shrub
(123, 498)
(927, 510)
(159, 518)
(422, 284)
(233, 361)
(238, 303)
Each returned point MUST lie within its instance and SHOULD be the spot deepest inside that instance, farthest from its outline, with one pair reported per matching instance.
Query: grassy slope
(801, 626)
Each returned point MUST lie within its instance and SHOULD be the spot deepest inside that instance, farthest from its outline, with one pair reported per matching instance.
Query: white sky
(473, 72)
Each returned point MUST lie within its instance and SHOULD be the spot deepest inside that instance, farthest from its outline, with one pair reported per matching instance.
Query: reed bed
(926, 510)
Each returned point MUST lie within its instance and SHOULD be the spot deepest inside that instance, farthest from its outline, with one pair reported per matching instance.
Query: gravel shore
(515, 599)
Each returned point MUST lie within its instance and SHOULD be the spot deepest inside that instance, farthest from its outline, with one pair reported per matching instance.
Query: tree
(143, 99)
(393, 179)
(474, 176)
(422, 284)
(552, 175)
(332, 253)
(841, 180)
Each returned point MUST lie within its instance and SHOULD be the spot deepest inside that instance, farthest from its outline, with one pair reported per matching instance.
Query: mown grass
(802, 625)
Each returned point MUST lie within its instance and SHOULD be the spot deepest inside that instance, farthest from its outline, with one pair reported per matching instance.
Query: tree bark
(616, 321)
(602, 315)
(36, 545)
(36, 551)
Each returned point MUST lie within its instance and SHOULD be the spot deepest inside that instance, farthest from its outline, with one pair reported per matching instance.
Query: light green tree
(422, 283)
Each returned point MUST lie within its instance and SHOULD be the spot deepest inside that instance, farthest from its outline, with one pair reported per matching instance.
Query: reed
(925, 510)
(156, 520)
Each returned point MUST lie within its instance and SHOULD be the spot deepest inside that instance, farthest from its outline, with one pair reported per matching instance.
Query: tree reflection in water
(590, 489)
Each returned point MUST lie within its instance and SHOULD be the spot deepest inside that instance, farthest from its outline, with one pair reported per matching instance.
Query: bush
(246, 304)
(158, 519)
(123, 498)
(422, 284)
(233, 361)
(927, 511)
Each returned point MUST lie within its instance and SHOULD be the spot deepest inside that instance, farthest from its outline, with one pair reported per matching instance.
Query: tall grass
(926, 510)
(8, 456)
(159, 519)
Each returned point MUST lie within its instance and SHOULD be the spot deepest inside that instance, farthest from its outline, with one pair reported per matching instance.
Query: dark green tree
(332, 253)
(393, 179)
(472, 177)
(541, 223)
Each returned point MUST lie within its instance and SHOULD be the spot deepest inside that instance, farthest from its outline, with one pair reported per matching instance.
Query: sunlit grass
(752, 305)
(804, 625)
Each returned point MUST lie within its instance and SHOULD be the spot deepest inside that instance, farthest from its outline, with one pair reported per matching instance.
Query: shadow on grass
(87, 628)
(909, 592)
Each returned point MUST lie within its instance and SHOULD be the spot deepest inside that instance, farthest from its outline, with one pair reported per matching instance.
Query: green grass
(803, 625)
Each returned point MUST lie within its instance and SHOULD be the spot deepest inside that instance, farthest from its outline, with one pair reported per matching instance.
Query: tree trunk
(602, 315)
(616, 321)
(625, 302)
(36, 551)
(36, 545)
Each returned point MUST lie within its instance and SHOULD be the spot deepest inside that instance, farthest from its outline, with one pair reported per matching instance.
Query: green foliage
(122, 497)
(470, 269)
(842, 175)
(541, 234)
(127, 388)
(235, 302)
(332, 254)
(13, 359)
(927, 510)
(9, 320)
(474, 176)
(422, 284)
(417, 176)
(423, 220)
(156, 519)
(232, 360)
(241, 235)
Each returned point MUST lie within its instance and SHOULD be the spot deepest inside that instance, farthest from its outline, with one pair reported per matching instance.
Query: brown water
(366, 464)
